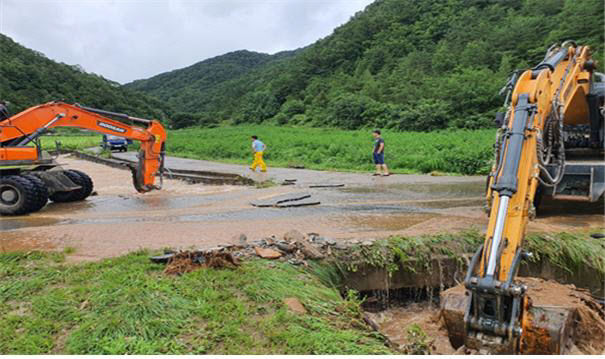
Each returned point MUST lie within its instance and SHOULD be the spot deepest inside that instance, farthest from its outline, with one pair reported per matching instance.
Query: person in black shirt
(378, 155)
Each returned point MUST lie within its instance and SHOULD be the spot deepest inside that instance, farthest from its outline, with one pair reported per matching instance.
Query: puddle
(394, 222)
(10, 223)
(423, 190)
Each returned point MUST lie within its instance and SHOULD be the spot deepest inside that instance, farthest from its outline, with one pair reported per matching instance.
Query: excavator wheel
(18, 195)
(42, 191)
(79, 178)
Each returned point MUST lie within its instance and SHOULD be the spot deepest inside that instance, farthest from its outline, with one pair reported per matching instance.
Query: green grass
(460, 151)
(127, 306)
(567, 251)
(71, 142)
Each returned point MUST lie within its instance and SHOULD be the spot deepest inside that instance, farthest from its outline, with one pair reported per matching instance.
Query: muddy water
(118, 219)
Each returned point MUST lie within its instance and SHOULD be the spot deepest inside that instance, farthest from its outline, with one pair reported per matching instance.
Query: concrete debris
(241, 239)
(285, 247)
(295, 305)
(286, 201)
(309, 250)
(288, 182)
(327, 185)
(293, 236)
(294, 248)
(267, 253)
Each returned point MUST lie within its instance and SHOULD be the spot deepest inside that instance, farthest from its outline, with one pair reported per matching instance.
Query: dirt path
(118, 220)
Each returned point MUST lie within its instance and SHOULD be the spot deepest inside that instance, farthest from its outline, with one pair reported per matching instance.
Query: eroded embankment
(401, 280)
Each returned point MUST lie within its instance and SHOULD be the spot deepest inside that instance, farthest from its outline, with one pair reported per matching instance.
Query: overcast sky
(124, 40)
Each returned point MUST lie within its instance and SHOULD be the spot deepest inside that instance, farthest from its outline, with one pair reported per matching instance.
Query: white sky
(124, 40)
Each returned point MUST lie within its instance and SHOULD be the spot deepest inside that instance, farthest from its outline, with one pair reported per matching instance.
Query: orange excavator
(29, 177)
(550, 143)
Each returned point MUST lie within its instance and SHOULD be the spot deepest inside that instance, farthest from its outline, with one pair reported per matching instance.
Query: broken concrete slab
(327, 185)
(298, 204)
(273, 202)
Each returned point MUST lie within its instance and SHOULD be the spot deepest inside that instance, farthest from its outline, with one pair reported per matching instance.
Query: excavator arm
(23, 128)
(496, 315)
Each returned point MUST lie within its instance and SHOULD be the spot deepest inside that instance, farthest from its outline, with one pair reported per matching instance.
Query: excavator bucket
(138, 173)
(545, 329)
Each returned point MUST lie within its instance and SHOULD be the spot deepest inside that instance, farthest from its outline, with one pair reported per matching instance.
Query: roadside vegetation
(465, 152)
(127, 305)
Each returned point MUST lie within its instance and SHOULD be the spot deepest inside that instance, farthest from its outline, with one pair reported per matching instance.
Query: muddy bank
(397, 323)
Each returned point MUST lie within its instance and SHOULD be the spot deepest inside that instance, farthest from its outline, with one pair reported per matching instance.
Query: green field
(456, 151)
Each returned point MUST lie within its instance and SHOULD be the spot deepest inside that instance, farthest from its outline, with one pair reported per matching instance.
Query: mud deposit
(396, 322)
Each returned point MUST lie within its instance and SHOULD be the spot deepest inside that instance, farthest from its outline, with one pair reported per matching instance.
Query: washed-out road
(118, 220)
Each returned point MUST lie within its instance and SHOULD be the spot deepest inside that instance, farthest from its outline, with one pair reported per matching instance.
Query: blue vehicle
(111, 142)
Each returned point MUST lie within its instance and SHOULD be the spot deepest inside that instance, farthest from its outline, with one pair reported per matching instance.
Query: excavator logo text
(110, 127)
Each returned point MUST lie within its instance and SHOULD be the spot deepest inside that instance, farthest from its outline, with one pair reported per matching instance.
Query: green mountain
(204, 91)
(400, 64)
(28, 78)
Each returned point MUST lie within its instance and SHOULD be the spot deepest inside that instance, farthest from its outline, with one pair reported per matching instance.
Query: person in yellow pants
(258, 148)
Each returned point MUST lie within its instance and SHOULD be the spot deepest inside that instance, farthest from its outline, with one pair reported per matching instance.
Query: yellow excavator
(550, 143)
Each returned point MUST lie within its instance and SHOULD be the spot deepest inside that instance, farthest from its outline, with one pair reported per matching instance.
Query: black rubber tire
(26, 199)
(42, 191)
(85, 181)
(81, 179)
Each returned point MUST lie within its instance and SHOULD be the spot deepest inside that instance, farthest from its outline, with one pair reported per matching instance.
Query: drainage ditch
(401, 288)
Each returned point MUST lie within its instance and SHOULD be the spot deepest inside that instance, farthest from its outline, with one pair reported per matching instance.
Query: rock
(316, 239)
(286, 247)
(340, 246)
(259, 243)
(296, 261)
(308, 250)
(371, 320)
(293, 236)
(267, 253)
(241, 239)
(330, 241)
(366, 243)
(295, 305)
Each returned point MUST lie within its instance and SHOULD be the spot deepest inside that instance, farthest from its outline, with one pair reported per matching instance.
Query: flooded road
(118, 220)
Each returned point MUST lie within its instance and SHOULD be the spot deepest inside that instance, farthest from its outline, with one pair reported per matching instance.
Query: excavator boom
(28, 179)
(25, 127)
(495, 314)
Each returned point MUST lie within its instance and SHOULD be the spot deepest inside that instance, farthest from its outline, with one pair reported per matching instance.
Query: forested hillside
(196, 90)
(400, 64)
(28, 78)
